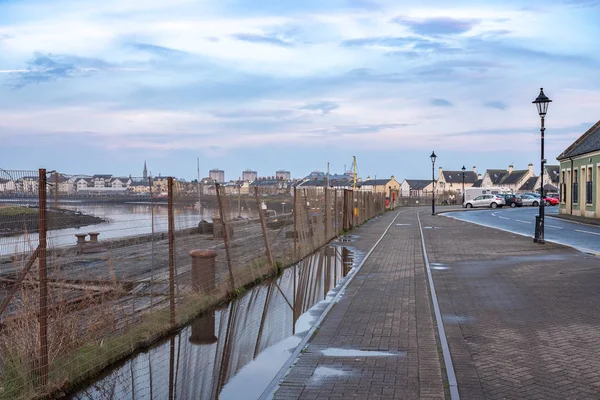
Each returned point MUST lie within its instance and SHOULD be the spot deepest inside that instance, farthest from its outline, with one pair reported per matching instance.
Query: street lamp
(433, 157)
(463, 189)
(541, 103)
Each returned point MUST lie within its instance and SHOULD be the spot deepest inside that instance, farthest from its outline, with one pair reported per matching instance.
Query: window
(588, 187)
(575, 189)
(563, 188)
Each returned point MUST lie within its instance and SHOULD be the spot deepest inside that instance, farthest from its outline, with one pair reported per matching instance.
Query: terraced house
(579, 174)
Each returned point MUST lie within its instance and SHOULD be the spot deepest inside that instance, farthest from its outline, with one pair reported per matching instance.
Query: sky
(99, 87)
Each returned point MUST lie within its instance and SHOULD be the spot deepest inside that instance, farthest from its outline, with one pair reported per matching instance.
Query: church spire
(145, 170)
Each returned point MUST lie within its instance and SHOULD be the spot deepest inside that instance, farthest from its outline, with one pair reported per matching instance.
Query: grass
(13, 211)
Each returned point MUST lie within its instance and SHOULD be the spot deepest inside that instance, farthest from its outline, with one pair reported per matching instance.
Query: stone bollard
(203, 330)
(81, 238)
(93, 237)
(218, 228)
(203, 271)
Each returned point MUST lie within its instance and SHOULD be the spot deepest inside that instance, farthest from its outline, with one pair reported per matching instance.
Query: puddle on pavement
(403, 224)
(322, 373)
(338, 352)
(439, 267)
(235, 351)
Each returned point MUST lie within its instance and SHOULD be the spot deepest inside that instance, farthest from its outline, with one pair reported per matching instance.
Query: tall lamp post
(463, 188)
(541, 103)
(433, 157)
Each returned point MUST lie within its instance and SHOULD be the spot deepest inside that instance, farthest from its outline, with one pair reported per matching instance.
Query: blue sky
(99, 87)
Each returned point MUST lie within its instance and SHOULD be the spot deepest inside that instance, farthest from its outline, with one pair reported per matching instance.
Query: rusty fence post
(264, 229)
(225, 236)
(295, 216)
(171, 222)
(43, 278)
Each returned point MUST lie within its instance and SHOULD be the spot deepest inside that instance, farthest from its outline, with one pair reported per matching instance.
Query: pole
(264, 229)
(171, 228)
(540, 237)
(433, 188)
(43, 278)
(463, 188)
(225, 236)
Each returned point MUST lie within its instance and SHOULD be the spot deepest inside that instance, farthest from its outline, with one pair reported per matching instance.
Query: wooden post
(295, 216)
(225, 236)
(171, 232)
(264, 229)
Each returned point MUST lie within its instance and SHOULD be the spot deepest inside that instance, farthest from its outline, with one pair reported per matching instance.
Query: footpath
(522, 320)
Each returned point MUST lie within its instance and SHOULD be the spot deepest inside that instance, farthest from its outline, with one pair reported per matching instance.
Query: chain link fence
(88, 276)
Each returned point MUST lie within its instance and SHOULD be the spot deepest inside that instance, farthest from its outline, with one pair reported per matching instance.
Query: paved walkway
(379, 341)
(522, 320)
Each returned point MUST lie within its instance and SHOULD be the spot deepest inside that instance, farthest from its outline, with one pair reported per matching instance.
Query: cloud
(248, 113)
(437, 26)
(353, 129)
(387, 41)
(498, 105)
(437, 102)
(49, 67)
(156, 50)
(263, 39)
(325, 107)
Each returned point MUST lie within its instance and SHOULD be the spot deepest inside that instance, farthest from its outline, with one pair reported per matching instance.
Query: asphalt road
(522, 221)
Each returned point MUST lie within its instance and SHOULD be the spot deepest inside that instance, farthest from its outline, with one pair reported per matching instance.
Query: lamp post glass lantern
(433, 157)
(463, 185)
(541, 102)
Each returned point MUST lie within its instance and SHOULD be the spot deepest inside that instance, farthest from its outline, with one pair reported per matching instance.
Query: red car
(551, 201)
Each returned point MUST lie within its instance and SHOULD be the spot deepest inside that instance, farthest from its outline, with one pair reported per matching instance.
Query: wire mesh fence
(89, 277)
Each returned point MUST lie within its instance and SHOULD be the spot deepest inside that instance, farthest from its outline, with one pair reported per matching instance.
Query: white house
(415, 187)
(7, 185)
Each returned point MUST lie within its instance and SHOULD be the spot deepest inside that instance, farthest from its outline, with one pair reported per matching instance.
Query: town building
(551, 179)
(271, 186)
(248, 175)
(218, 175)
(389, 186)
(416, 187)
(452, 181)
(282, 174)
(509, 179)
(579, 175)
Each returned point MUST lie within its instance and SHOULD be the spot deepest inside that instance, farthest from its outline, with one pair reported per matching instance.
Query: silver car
(485, 200)
(529, 200)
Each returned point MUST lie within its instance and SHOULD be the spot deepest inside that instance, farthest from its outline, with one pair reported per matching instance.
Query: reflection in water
(122, 220)
(233, 352)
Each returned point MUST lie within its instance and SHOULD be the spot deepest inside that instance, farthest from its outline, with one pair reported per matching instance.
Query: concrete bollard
(81, 238)
(205, 227)
(203, 270)
(93, 237)
(203, 330)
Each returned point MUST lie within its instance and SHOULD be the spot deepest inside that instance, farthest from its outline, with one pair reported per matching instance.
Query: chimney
(474, 169)
(479, 176)
(530, 167)
(511, 168)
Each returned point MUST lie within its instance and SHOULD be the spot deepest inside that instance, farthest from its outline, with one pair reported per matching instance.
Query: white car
(485, 200)
(529, 200)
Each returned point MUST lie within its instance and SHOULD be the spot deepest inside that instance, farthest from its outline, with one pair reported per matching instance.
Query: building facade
(248, 175)
(282, 174)
(579, 175)
(218, 175)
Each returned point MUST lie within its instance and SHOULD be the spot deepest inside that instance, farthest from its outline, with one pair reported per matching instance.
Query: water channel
(129, 219)
(235, 351)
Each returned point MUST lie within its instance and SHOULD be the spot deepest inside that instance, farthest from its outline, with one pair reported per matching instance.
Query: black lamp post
(433, 157)
(463, 188)
(541, 103)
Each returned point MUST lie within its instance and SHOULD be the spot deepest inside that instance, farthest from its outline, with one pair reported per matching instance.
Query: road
(522, 221)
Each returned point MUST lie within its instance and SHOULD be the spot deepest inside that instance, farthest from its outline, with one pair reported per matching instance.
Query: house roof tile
(553, 172)
(514, 177)
(586, 143)
(456, 176)
(418, 184)
(529, 184)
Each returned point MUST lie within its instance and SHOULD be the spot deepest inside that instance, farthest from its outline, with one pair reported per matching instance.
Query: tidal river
(123, 220)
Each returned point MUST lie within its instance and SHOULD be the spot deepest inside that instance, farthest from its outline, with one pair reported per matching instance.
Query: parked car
(551, 201)
(529, 200)
(534, 194)
(485, 200)
(512, 200)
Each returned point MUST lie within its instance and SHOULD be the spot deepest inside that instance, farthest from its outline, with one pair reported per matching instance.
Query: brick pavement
(386, 309)
(522, 320)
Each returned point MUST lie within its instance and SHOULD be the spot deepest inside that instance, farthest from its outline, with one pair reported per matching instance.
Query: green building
(580, 175)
